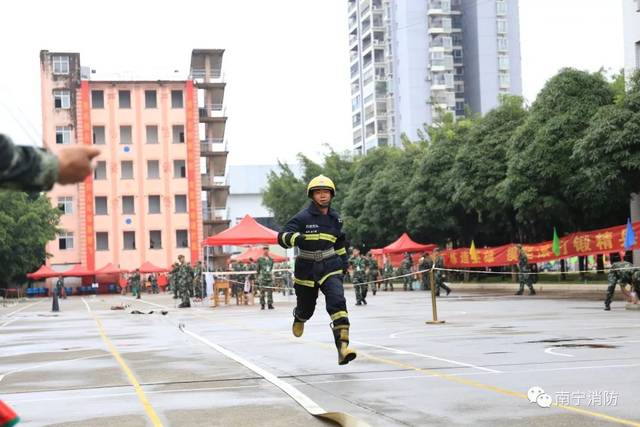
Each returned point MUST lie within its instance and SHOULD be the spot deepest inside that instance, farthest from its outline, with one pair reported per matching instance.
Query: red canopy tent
(147, 267)
(109, 269)
(246, 232)
(255, 253)
(78, 270)
(43, 272)
(405, 244)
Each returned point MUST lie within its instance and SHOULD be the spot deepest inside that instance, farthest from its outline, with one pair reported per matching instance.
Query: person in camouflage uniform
(33, 169)
(387, 274)
(60, 288)
(184, 281)
(439, 274)
(197, 280)
(524, 273)
(264, 271)
(153, 279)
(236, 279)
(373, 273)
(621, 273)
(173, 279)
(425, 264)
(135, 284)
(358, 265)
(405, 268)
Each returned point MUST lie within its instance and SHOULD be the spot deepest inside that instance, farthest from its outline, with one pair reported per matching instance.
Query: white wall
(631, 24)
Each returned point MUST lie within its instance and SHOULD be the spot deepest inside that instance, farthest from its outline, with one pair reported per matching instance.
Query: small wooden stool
(221, 285)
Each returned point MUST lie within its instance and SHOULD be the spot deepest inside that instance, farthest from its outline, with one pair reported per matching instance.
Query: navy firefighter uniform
(322, 259)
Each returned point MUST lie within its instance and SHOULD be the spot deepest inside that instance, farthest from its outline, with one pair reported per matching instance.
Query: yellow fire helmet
(321, 182)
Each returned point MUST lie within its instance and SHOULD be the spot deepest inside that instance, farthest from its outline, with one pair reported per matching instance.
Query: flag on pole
(556, 243)
(630, 236)
(473, 253)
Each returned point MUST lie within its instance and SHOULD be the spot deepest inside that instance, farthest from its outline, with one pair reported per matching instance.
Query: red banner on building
(602, 241)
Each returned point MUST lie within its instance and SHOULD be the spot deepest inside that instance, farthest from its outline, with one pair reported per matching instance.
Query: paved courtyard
(91, 366)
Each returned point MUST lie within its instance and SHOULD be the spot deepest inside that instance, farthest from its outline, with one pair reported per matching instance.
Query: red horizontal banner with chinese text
(594, 242)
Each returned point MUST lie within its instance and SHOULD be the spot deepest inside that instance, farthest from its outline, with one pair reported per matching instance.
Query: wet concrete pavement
(476, 369)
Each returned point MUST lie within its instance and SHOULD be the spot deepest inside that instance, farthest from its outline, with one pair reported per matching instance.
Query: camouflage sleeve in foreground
(26, 168)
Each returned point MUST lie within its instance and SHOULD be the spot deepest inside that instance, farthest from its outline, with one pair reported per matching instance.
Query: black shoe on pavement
(364, 301)
(448, 292)
(359, 303)
(270, 307)
(532, 292)
(518, 293)
(607, 308)
(184, 305)
(261, 306)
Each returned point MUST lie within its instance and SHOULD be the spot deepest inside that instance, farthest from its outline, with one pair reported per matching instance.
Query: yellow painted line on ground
(155, 420)
(432, 373)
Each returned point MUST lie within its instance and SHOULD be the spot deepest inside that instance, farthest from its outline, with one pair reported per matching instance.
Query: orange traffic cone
(8, 418)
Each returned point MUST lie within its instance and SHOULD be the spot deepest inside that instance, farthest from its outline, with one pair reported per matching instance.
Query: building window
(63, 135)
(129, 240)
(128, 205)
(102, 241)
(65, 240)
(126, 135)
(62, 99)
(178, 134)
(153, 169)
(99, 135)
(504, 80)
(182, 238)
(60, 64)
(152, 134)
(101, 205)
(503, 62)
(154, 204)
(65, 204)
(97, 99)
(100, 172)
(502, 26)
(126, 169)
(150, 99)
(124, 98)
(503, 44)
(181, 203)
(179, 169)
(176, 99)
(155, 239)
(501, 7)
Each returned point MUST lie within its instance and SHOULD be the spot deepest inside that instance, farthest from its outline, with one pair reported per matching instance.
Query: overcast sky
(286, 61)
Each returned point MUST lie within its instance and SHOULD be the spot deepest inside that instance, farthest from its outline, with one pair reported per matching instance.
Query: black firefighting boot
(341, 336)
(298, 325)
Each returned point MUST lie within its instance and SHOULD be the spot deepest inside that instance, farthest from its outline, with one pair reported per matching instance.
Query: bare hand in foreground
(74, 164)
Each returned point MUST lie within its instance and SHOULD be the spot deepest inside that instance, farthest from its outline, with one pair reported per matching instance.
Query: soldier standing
(405, 270)
(264, 269)
(387, 274)
(173, 279)
(439, 274)
(358, 265)
(425, 264)
(197, 280)
(135, 284)
(374, 273)
(60, 288)
(621, 273)
(154, 284)
(317, 232)
(184, 282)
(525, 277)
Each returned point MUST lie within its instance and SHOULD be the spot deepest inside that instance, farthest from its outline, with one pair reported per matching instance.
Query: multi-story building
(631, 26)
(414, 60)
(143, 202)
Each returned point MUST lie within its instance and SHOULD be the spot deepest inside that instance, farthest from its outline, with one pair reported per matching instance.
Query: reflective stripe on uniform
(321, 236)
(293, 239)
(341, 251)
(326, 276)
(339, 315)
(309, 283)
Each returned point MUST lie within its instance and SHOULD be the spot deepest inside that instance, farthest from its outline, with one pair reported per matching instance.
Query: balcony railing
(212, 110)
(442, 6)
(200, 74)
(210, 214)
(214, 145)
(213, 181)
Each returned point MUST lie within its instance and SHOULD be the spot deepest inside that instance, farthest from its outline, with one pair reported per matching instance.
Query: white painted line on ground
(428, 356)
(43, 365)
(22, 308)
(550, 351)
(8, 322)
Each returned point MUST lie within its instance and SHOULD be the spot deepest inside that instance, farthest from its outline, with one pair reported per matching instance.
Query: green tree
(541, 180)
(26, 225)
